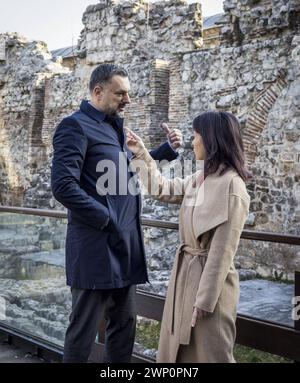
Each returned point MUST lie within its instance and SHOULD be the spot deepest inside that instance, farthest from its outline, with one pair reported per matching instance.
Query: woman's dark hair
(223, 143)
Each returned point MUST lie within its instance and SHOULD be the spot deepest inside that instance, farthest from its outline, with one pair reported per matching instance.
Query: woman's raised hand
(133, 141)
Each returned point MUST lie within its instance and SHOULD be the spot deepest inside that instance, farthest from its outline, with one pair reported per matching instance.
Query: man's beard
(118, 112)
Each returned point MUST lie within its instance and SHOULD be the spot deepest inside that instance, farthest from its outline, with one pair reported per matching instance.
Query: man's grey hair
(103, 73)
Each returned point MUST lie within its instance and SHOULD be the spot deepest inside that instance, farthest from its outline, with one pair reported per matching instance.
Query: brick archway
(258, 115)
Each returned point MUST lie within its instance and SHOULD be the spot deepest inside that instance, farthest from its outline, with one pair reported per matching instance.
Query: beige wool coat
(211, 219)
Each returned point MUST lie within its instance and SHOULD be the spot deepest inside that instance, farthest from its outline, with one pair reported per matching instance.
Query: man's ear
(98, 91)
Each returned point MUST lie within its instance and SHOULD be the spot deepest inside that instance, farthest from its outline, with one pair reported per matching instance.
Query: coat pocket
(123, 211)
(113, 224)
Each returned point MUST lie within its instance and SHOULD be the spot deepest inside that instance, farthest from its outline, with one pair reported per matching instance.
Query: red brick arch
(258, 115)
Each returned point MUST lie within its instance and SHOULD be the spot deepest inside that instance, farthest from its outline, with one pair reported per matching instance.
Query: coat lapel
(211, 208)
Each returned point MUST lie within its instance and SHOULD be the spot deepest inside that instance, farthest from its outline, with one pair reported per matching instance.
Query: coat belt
(192, 251)
(184, 248)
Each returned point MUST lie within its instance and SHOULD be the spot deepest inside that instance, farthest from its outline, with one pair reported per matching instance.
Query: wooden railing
(263, 335)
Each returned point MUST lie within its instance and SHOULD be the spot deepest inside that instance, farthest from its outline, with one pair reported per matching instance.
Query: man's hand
(198, 313)
(174, 136)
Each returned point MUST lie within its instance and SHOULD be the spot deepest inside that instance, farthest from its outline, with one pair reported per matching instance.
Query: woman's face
(198, 146)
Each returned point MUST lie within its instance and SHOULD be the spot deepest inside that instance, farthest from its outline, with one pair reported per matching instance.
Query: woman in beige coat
(199, 316)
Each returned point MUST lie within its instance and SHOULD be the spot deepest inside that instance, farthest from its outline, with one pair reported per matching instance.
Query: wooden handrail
(288, 239)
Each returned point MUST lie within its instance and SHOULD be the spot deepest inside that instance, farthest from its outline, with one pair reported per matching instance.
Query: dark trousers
(118, 307)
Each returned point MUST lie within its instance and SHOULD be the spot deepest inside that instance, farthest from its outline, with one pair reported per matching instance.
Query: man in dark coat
(105, 256)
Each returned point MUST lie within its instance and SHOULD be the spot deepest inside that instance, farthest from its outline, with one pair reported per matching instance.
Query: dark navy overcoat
(104, 243)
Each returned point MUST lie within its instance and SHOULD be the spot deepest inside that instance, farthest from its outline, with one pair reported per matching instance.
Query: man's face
(113, 97)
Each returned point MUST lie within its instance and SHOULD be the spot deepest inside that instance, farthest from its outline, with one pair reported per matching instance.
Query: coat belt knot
(192, 251)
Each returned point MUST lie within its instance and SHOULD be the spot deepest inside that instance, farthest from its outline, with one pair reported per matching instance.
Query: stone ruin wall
(254, 73)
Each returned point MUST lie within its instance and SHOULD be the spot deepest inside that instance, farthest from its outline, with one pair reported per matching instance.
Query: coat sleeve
(70, 146)
(221, 253)
(164, 152)
(159, 187)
